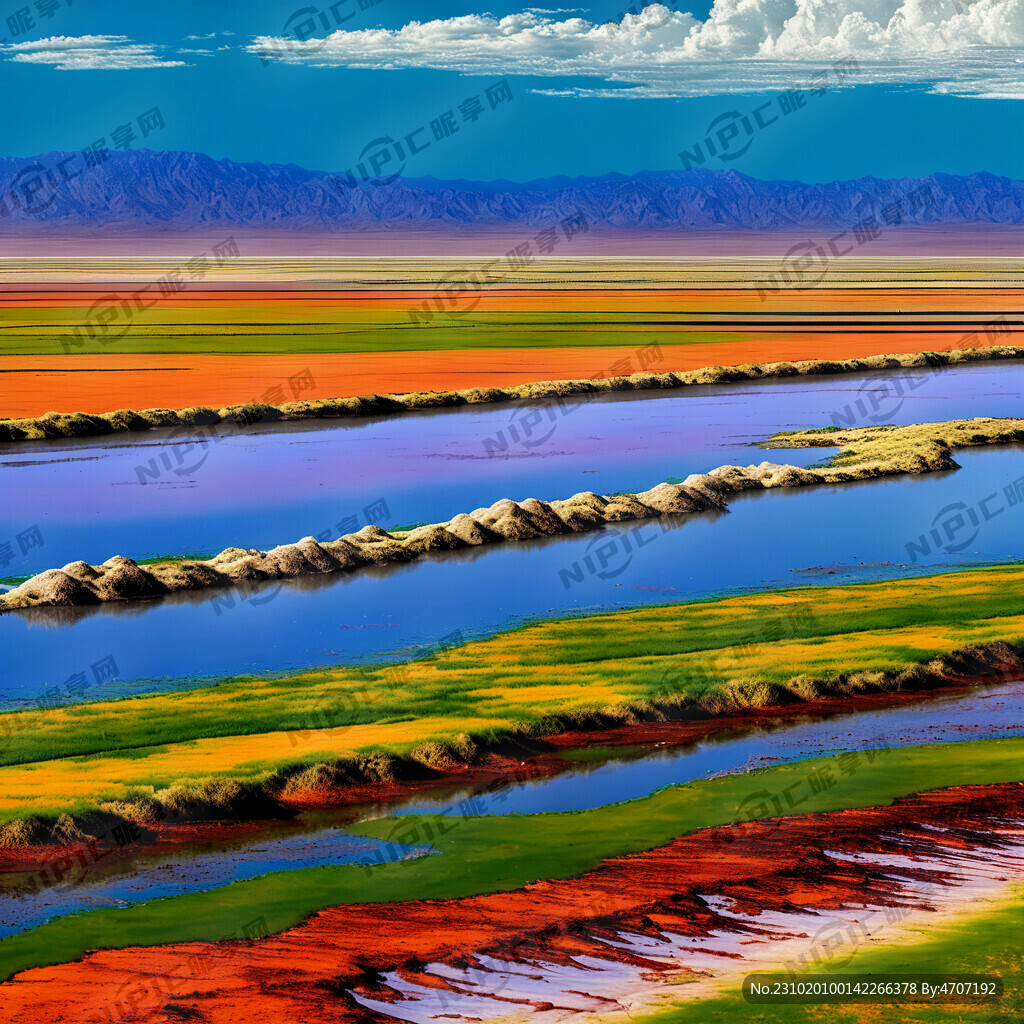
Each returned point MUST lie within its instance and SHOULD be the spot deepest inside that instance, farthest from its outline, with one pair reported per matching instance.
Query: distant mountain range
(139, 190)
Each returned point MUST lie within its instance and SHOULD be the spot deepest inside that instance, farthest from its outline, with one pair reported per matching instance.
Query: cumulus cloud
(89, 53)
(962, 47)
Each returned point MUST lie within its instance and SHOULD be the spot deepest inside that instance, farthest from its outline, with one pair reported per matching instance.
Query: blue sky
(924, 98)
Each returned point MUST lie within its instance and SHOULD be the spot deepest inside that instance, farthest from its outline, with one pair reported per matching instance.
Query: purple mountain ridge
(142, 190)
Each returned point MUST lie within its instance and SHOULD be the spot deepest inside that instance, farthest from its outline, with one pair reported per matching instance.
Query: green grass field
(284, 330)
(722, 655)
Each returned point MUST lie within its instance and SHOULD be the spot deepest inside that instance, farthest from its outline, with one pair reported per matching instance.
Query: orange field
(784, 325)
(34, 385)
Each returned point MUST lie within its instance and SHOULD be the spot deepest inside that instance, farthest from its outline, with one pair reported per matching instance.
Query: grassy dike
(701, 659)
(480, 855)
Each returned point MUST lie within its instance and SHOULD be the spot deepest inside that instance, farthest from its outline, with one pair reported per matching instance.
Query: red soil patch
(303, 974)
(35, 385)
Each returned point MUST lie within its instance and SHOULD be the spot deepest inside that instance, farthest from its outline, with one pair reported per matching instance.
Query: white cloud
(89, 53)
(962, 47)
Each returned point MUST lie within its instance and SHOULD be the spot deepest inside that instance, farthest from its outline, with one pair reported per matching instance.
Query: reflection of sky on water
(433, 467)
(846, 533)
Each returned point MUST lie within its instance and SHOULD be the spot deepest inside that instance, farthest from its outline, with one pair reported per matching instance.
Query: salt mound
(675, 499)
(711, 487)
(433, 538)
(123, 579)
(306, 557)
(379, 547)
(191, 576)
(508, 520)
(347, 555)
(624, 507)
(598, 502)
(201, 573)
(82, 571)
(236, 563)
(771, 474)
(735, 478)
(544, 516)
(370, 535)
(52, 587)
(317, 556)
(469, 531)
(578, 516)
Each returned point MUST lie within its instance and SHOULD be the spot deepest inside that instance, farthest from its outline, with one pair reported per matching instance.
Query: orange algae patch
(96, 383)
